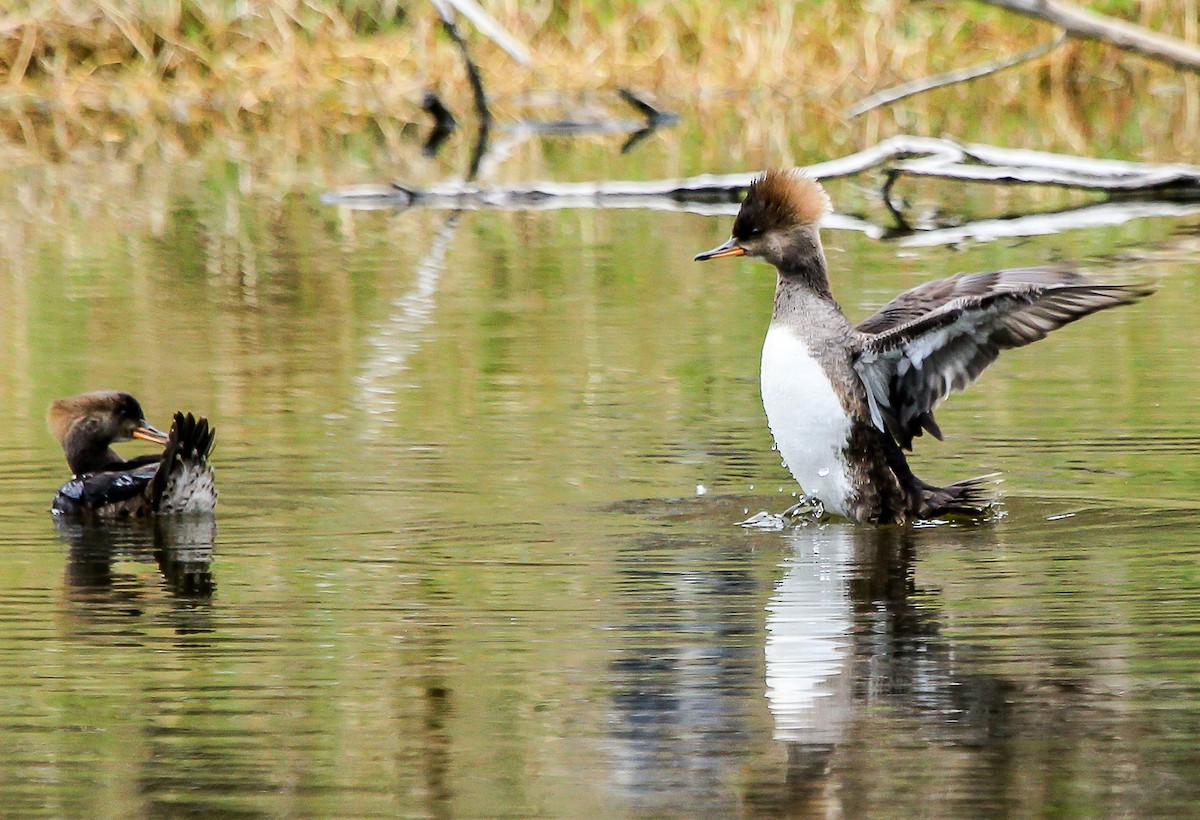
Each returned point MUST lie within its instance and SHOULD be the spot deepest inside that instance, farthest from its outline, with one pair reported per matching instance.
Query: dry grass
(137, 75)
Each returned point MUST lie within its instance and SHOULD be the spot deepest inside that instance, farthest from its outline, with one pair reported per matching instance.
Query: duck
(104, 485)
(843, 401)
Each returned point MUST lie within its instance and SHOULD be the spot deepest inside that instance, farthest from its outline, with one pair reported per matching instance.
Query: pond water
(477, 551)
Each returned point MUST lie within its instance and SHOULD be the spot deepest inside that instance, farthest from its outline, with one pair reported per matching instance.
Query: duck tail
(972, 497)
(184, 481)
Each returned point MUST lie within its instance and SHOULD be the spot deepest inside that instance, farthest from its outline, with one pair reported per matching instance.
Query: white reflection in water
(399, 336)
(808, 644)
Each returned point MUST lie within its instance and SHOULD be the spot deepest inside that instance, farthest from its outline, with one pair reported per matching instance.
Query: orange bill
(728, 248)
(152, 434)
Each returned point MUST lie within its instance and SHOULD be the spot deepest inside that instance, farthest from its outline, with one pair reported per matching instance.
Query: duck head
(87, 425)
(778, 222)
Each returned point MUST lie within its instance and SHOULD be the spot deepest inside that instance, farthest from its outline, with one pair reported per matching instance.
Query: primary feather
(938, 337)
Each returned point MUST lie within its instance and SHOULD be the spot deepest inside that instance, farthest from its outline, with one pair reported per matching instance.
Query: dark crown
(778, 200)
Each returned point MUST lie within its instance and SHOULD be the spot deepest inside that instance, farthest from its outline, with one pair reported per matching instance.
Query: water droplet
(824, 471)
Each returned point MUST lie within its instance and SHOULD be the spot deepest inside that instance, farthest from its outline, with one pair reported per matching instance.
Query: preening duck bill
(152, 434)
(728, 248)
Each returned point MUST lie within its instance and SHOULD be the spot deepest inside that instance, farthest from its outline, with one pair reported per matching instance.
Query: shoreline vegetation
(130, 78)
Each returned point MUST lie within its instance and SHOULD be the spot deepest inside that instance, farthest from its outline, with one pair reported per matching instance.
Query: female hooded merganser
(842, 401)
(180, 480)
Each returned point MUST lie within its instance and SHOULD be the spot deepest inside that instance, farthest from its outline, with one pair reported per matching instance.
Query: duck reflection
(809, 643)
(850, 633)
(181, 546)
(847, 633)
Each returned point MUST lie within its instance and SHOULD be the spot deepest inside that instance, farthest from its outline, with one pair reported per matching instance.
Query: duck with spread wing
(843, 401)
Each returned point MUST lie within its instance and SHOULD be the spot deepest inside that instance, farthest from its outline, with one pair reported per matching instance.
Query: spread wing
(938, 337)
(184, 482)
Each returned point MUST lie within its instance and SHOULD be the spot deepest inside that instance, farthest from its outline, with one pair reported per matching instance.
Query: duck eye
(755, 231)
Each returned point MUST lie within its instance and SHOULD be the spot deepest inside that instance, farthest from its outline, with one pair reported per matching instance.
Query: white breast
(810, 426)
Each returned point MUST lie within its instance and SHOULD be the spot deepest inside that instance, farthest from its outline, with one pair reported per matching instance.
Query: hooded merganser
(843, 402)
(179, 480)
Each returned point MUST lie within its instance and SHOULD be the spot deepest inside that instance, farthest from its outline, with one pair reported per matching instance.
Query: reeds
(85, 73)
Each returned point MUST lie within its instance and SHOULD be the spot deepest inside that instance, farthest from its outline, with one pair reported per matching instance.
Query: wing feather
(937, 338)
(184, 481)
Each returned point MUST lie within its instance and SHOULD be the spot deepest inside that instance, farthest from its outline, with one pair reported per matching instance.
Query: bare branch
(900, 92)
(443, 123)
(1089, 25)
(1146, 189)
(476, 81)
(491, 28)
(653, 114)
(903, 155)
(1101, 214)
(905, 235)
(473, 76)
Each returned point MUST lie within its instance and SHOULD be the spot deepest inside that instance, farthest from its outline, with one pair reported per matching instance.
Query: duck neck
(802, 272)
(803, 262)
(87, 453)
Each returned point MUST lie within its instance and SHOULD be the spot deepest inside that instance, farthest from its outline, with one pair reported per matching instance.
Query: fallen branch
(900, 92)
(1147, 189)
(901, 155)
(476, 80)
(1043, 223)
(987, 163)
(394, 341)
(490, 28)
(443, 123)
(653, 114)
(654, 117)
(1089, 25)
(473, 76)
(917, 235)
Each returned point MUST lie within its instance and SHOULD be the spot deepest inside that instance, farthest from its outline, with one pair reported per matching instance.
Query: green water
(462, 564)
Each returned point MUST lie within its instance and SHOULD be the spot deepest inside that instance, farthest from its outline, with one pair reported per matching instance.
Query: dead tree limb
(1043, 223)
(395, 340)
(921, 234)
(959, 75)
(654, 115)
(476, 80)
(490, 28)
(1089, 25)
(1145, 189)
(473, 76)
(988, 163)
(443, 123)
(902, 155)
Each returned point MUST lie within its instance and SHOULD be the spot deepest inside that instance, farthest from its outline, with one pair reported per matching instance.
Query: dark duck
(177, 480)
(845, 401)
